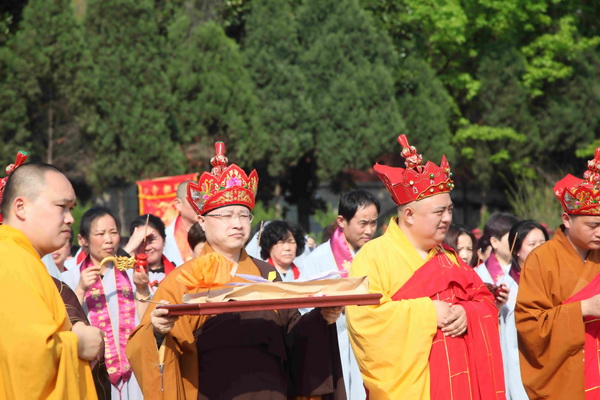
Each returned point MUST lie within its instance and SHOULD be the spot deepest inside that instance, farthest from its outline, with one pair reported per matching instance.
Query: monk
(435, 333)
(177, 249)
(249, 355)
(558, 303)
(41, 354)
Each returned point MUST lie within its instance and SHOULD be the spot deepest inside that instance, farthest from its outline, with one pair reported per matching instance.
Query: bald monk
(435, 333)
(41, 354)
(177, 249)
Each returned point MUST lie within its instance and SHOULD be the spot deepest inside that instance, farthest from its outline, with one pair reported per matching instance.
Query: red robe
(469, 366)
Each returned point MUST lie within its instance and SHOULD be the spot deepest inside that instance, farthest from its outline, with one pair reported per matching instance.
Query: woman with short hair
(280, 243)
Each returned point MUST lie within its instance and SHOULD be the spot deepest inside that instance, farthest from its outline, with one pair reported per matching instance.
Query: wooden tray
(271, 304)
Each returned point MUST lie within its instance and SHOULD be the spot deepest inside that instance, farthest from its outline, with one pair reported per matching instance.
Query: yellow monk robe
(552, 334)
(38, 352)
(396, 365)
(393, 342)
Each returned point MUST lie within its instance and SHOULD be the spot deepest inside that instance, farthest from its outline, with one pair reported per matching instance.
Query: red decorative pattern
(20, 159)
(156, 196)
(223, 186)
(416, 181)
(581, 196)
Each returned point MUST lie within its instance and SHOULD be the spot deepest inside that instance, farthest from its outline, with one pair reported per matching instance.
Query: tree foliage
(213, 92)
(348, 63)
(48, 83)
(131, 139)
(271, 50)
(118, 90)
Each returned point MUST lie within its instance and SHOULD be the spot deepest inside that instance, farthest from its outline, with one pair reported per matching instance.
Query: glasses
(229, 217)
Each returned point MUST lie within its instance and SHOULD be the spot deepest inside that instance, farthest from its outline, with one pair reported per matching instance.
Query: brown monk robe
(552, 334)
(77, 314)
(251, 355)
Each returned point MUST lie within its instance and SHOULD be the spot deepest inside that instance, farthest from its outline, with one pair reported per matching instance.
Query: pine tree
(50, 78)
(426, 107)
(13, 112)
(348, 65)
(131, 139)
(271, 50)
(214, 95)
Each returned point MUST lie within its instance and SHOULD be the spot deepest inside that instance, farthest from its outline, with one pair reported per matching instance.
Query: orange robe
(38, 351)
(551, 333)
(197, 344)
(181, 235)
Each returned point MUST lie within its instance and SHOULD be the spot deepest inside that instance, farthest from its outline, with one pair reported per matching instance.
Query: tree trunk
(50, 151)
(121, 209)
(277, 204)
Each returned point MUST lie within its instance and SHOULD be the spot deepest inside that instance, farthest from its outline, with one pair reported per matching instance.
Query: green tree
(426, 107)
(51, 79)
(271, 50)
(348, 64)
(214, 95)
(13, 111)
(567, 115)
(131, 139)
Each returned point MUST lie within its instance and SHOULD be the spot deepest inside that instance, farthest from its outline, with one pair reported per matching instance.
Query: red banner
(156, 195)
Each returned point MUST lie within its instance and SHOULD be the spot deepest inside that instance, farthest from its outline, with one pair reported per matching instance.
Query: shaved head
(28, 180)
(182, 205)
(38, 199)
(425, 222)
(182, 190)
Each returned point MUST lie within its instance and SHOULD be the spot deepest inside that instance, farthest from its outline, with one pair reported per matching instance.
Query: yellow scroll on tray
(283, 290)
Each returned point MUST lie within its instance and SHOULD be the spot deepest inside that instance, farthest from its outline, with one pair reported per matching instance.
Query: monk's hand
(591, 307)
(442, 311)
(90, 341)
(457, 323)
(331, 314)
(161, 322)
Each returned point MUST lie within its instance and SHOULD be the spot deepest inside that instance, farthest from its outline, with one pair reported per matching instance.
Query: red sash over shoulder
(591, 347)
(470, 366)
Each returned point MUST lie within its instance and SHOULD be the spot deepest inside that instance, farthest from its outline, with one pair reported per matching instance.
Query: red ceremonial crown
(417, 181)
(20, 159)
(223, 186)
(581, 196)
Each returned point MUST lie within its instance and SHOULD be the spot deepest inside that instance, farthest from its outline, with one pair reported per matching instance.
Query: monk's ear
(567, 220)
(177, 204)
(19, 208)
(341, 222)
(408, 214)
(202, 222)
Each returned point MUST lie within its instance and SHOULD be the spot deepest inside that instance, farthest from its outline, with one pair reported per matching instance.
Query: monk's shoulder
(17, 261)
(264, 268)
(548, 250)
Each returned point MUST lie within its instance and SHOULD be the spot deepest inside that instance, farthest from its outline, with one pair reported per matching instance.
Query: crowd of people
(511, 314)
